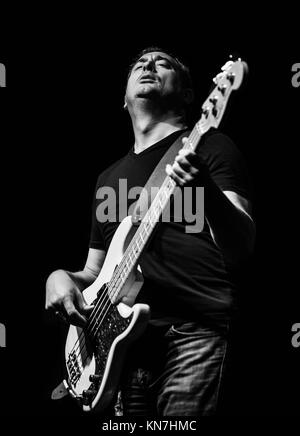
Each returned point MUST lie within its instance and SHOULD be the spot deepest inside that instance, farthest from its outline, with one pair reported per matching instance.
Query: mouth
(147, 78)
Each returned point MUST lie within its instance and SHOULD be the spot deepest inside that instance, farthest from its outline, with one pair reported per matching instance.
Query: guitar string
(117, 278)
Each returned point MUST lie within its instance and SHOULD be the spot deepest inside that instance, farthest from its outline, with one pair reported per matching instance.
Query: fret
(170, 184)
(135, 249)
(146, 227)
(150, 218)
(141, 236)
(123, 274)
(129, 255)
(162, 198)
(167, 194)
(111, 292)
(157, 210)
(139, 244)
(125, 269)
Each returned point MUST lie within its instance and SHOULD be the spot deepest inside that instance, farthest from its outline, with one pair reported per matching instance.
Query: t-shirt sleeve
(96, 237)
(226, 164)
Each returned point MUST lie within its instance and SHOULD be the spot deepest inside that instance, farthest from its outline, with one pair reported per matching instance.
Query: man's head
(157, 75)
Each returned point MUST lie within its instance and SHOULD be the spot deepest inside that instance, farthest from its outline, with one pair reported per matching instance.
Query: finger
(188, 145)
(185, 151)
(51, 303)
(74, 316)
(61, 316)
(193, 158)
(186, 173)
(87, 310)
(186, 165)
(127, 300)
(54, 306)
(174, 176)
(181, 157)
(179, 170)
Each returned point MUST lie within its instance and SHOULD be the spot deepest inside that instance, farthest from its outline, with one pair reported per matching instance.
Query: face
(154, 75)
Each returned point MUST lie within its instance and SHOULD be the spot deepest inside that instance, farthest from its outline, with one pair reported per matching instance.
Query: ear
(125, 103)
(188, 96)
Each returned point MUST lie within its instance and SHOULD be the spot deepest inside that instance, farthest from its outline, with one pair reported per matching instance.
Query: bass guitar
(94, 355)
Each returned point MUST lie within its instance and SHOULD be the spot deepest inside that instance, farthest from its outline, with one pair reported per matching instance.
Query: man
(176, 368)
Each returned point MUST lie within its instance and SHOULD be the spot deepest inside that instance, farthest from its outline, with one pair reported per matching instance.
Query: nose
(149, 65)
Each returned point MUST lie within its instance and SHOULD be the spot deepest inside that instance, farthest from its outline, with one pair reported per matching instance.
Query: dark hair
(183, 70)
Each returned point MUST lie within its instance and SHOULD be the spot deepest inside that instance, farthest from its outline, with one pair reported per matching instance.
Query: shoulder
(218, 142)
(218, 148)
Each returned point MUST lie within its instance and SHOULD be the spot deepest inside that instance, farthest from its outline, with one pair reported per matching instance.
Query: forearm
(82, 279)
(233, 230)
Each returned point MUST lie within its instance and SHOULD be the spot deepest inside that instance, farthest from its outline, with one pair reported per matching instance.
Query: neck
(151, 127)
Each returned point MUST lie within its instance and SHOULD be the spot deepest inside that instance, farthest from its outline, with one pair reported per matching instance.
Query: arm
(228, 214)
(64, 288)
(229, 217)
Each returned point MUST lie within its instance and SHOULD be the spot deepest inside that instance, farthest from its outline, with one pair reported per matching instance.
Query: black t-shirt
(185, 275)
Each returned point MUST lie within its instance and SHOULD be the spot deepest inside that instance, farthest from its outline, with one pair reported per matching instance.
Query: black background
(62, 123)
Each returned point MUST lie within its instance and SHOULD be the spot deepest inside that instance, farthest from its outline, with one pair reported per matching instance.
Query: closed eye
(164, 64)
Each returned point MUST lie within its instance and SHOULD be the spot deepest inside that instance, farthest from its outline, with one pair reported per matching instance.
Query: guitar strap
(156, 179)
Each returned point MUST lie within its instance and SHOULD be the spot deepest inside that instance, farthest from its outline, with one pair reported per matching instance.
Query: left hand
(188, 168)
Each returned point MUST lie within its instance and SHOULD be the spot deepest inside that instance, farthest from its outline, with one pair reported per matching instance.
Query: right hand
(65, 298)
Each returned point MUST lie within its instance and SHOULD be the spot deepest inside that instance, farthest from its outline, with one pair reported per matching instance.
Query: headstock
(229, 79)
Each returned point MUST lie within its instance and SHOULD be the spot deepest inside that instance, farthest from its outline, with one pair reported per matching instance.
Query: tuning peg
(227, 65)
(231, 77)
(222, 89)
(205, 111)
(235, 56)
(214, 99)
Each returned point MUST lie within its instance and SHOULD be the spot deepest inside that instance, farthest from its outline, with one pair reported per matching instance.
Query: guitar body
(94, 361)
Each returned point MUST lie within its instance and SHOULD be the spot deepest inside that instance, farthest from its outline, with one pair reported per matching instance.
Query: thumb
(84, 308)
(184, 140)
(87, 310)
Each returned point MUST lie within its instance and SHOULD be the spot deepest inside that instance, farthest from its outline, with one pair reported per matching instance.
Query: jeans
(175, 371)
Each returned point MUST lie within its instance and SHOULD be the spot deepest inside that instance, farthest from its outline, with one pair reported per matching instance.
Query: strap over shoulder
(156, 179)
